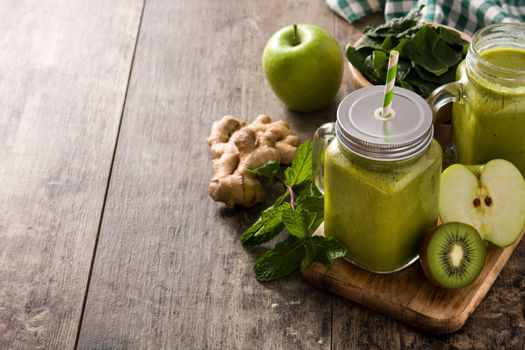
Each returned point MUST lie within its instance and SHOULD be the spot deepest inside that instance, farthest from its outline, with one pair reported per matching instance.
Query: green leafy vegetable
(268, 170)
(442, 79)
(451, 37)
(281, 260)
(401, 49)
(301, 168)
(370, 43)
(388, 44)
(423, 50)
(300, 210)
(370, 71)
(403, 68)
(428, 56)
(356, 57)
(405, 84)
(380, 59)
(323, 249)
(426, 87)
(269, 225)
(296, 222)
(397, 27)
(313, 202)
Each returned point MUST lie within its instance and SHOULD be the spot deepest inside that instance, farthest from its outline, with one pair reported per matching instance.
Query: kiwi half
(452, 255)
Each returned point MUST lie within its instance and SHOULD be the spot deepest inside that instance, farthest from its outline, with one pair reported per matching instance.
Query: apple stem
(295, 34)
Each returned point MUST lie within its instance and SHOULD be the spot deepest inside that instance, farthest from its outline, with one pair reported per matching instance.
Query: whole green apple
(304, 66)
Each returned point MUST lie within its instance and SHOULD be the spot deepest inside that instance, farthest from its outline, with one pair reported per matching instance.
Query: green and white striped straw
(389, 86)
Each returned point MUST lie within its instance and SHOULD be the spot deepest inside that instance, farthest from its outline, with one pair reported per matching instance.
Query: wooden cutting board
(407, 295)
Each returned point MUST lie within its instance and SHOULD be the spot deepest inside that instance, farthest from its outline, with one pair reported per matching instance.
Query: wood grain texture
(496, 324)
(64, 68)
(408, 295)
(170, 271)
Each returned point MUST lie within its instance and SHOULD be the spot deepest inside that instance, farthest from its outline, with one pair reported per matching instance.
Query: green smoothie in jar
(489, 97)
(381, 179)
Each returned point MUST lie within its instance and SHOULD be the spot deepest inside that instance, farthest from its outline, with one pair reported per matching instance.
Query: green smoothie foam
(490, 123)
(390, 199)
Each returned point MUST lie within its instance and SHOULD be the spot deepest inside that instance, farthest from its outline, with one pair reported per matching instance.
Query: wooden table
(108, 239)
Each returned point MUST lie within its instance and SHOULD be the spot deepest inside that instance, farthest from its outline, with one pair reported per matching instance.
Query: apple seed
(488, 201)
(476, 202)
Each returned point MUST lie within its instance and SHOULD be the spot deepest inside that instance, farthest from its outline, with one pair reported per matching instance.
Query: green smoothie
(380, 210)
(490, 122)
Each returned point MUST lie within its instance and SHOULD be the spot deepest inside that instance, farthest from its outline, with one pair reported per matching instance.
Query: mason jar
(488, 115)
(380, 178)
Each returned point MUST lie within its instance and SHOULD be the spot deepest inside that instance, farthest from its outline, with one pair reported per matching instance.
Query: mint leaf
(323, 249)
(269, 224)
(313, 204)
(296, 222)
(280, 261)
(301, 168)
(299, 247)
(268, 170)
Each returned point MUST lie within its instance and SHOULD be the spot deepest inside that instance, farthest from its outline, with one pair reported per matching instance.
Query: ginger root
(236, 146)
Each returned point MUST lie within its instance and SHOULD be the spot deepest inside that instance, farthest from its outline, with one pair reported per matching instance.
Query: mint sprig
(296, 221)
(268, 170)
(301, 168)
(300, 210)
(269, 225)
(280, 261)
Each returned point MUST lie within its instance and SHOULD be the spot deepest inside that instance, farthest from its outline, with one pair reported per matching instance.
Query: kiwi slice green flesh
(452, 255)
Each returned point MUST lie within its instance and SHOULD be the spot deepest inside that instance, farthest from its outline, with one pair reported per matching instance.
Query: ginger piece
(236, 146)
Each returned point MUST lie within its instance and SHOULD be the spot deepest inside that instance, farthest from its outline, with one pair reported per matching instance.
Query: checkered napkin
(464, 15)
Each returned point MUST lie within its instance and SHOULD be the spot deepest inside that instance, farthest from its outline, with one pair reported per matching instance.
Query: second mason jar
(489, 97)
(380, 178)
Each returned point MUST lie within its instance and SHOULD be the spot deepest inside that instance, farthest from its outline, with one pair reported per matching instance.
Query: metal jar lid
(362, 130)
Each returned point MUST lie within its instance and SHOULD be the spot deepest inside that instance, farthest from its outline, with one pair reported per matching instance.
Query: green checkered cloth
(464, 15)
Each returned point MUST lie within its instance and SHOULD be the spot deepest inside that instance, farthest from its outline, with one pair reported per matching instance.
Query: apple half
(489, 197)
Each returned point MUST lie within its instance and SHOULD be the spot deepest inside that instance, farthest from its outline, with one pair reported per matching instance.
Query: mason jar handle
(322, 138)
(451, 92)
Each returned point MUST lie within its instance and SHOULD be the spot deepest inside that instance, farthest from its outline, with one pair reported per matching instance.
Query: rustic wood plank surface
(168, 270)
(498, 323)
(64, 68)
